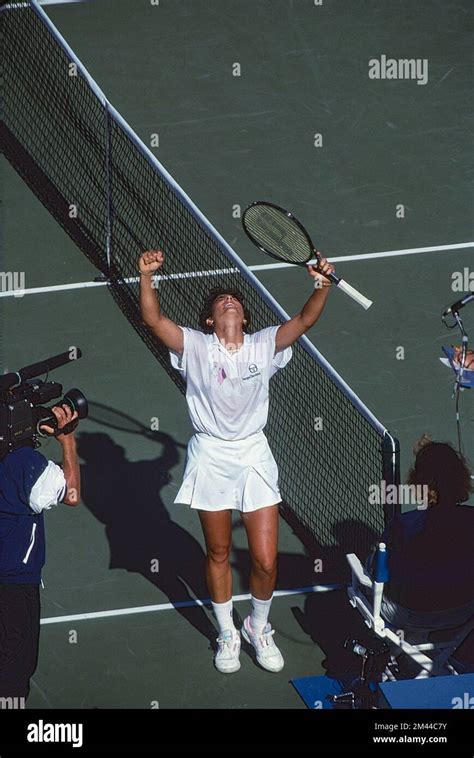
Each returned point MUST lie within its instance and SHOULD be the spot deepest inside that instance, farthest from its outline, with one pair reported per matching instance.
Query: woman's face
(227, 309)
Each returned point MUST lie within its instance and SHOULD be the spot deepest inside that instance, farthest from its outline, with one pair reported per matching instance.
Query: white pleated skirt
(222, 474)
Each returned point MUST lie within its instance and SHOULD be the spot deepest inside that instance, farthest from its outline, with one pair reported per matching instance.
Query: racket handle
(354, 294)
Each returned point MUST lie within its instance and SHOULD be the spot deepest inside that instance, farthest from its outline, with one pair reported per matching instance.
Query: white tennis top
(227, 393)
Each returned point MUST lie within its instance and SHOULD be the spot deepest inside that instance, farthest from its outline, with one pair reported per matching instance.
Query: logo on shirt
(253, 372)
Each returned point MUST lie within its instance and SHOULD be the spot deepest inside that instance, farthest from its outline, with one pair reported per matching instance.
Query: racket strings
(277, 233)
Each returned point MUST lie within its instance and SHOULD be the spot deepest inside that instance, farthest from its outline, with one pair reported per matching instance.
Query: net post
(108, 172)
(391, 471)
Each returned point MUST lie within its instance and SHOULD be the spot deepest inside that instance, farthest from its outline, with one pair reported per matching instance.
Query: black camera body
(22, 395)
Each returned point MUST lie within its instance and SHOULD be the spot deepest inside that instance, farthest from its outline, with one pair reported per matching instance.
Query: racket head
(111, 418)
(277, 232)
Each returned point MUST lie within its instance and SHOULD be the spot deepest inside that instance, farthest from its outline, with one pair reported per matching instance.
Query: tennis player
(229, 464)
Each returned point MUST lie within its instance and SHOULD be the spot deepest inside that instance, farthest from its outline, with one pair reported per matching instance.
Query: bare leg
(262, 534)
(217, 529)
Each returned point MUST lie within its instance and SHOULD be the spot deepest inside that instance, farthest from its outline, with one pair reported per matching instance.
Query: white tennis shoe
(268, 655)
(226, 660)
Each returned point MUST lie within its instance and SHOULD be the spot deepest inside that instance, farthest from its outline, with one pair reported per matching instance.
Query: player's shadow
(125, 496)
(328, 618)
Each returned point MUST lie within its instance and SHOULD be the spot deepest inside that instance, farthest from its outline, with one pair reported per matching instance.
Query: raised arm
(163, 328)
(72, 473)
(291, 330)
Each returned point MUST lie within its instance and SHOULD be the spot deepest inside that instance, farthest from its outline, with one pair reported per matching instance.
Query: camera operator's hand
(67, 421)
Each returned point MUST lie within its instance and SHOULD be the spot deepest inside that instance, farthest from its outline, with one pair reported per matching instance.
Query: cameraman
(29, 484)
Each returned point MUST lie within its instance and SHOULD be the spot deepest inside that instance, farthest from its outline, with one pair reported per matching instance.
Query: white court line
(260, 267)
(127, 280)
(406, 251)
(60, 2)
(181, 604)
(12, 6)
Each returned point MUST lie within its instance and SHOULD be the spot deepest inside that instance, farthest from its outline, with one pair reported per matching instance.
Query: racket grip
(354, 294)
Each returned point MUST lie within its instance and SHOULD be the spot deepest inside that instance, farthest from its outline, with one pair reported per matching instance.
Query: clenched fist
(150, 261)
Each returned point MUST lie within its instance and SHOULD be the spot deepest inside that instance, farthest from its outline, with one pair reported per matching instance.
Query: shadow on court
(300, 570)
(125, 496)
(328, 619)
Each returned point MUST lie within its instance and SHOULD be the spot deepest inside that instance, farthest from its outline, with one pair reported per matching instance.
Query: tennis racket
(279, 234)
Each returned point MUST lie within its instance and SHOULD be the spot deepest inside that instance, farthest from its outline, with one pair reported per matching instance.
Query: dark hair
(206, 311)
(443, 469)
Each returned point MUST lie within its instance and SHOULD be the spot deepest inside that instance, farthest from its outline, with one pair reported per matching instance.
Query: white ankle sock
(223, 614)
(259, 614)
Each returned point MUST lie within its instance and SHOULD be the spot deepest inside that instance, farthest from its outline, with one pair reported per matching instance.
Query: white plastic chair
(369, 605)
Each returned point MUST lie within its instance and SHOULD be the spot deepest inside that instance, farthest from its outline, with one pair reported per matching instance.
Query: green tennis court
(242, 101)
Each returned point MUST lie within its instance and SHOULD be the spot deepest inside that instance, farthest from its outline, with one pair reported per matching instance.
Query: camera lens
(77, 402)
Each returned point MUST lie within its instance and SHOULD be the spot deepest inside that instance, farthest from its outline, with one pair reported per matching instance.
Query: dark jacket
(431, 558)
(22, 539)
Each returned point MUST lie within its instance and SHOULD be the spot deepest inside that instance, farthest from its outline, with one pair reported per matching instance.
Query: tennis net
(114, 199)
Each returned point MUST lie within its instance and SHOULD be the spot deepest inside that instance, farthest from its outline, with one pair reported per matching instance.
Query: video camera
(21, 398)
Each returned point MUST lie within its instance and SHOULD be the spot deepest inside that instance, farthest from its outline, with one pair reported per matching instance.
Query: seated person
(453, 359)
(431, 550)
(469, 361)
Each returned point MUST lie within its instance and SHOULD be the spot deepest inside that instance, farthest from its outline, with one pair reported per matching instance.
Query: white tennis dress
(229, 463)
